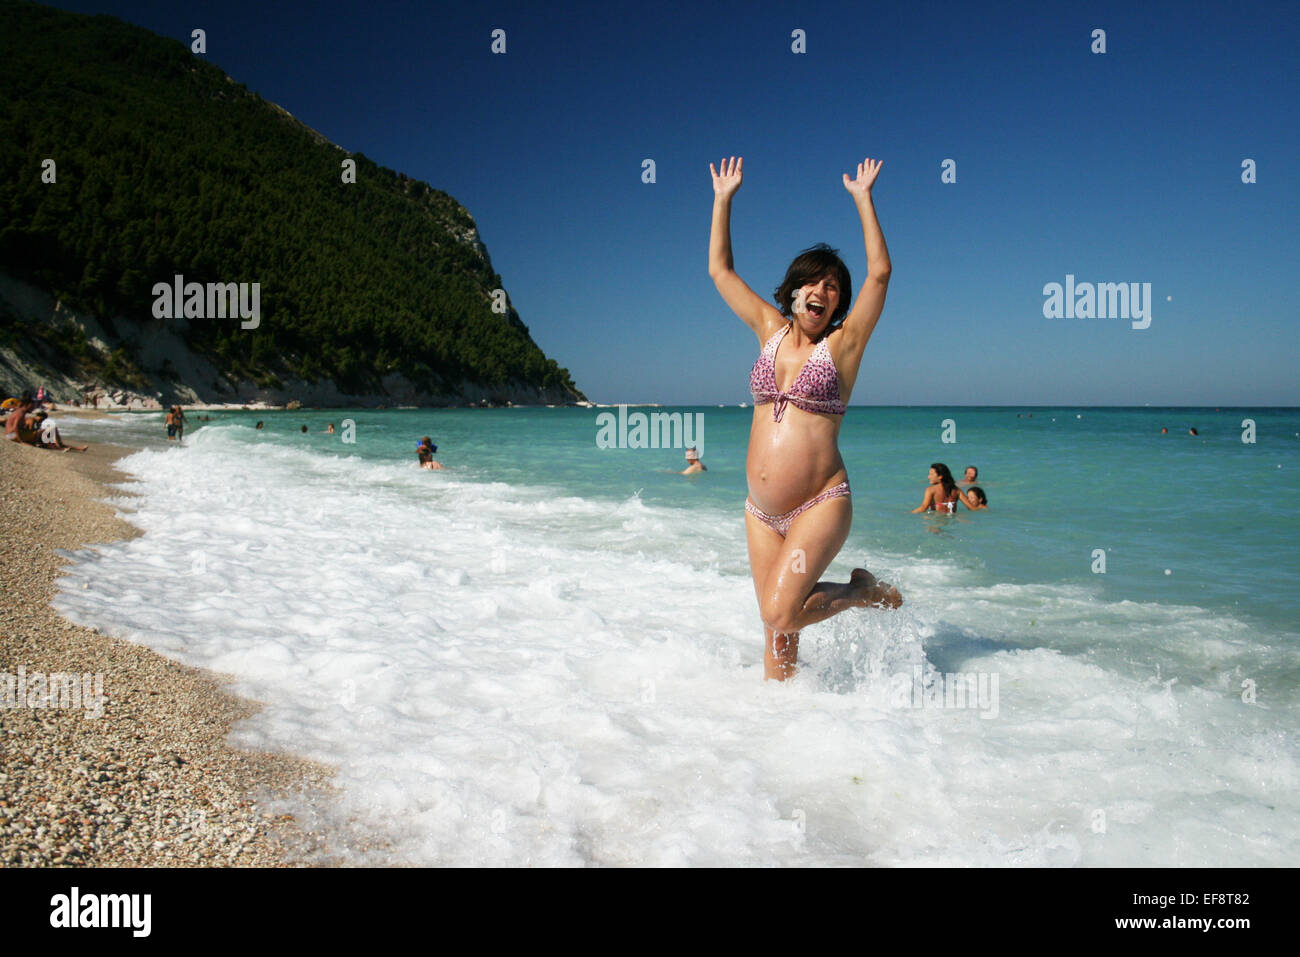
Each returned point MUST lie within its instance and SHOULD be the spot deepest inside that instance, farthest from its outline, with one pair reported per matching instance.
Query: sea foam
(503, 675)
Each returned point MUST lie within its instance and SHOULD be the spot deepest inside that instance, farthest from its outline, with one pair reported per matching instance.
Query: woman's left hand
(860, 188)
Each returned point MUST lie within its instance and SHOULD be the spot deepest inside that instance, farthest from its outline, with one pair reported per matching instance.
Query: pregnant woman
(798, 513)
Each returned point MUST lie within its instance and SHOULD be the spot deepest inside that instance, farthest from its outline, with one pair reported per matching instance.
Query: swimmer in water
(976, 494)
(424, 450)
(693, 463)
(798, 512)
(972, 475)
(942, 495)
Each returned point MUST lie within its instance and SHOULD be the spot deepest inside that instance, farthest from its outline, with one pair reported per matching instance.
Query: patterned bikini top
(815, 389)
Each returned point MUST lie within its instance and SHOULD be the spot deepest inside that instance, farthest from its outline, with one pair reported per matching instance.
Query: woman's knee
(779, 613)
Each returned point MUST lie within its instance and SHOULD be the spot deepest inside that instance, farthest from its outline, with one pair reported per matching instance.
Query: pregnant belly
(789, 464)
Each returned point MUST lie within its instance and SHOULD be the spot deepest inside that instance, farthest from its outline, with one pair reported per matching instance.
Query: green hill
(167, 166)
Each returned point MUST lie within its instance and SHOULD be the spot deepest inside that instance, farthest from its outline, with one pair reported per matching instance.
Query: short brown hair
(809, 266)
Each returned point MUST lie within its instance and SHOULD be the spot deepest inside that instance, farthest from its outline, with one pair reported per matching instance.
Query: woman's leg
(780, 654)
(793, 597)
(779, 651)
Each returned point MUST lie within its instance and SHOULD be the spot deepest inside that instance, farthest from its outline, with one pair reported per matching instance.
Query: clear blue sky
(1118, 167)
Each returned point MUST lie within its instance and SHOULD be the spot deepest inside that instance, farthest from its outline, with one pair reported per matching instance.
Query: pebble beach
(149, 781)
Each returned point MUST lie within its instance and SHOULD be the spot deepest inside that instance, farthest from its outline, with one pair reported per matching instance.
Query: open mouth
(816, 309)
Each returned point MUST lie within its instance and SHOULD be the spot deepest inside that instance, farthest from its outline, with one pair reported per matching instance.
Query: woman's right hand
(727, 182)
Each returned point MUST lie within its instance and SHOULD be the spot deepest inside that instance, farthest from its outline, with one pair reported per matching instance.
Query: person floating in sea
(972, 475)
(693, 463)
(942, 495)
(798, 512)
(329, 431)
(424, 450)
(976, 494)
(259, 424)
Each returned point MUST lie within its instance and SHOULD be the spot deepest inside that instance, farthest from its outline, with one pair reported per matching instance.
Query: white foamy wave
(502, 675)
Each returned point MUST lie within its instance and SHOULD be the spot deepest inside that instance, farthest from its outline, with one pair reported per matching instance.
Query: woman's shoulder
(834, 339)
(778, 325)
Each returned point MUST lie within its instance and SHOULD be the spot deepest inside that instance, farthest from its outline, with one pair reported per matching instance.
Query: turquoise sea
(550, 652)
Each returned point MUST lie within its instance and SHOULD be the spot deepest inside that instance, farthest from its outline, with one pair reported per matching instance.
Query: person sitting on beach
(693, 463)
(943, 494)
(29, 433)
(15, 424)
(50, 438)
(972, 475)
(424, 451)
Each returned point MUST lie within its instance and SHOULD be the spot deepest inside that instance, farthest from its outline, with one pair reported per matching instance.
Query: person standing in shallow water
(942, 494)
(424, 451)
(798, 513)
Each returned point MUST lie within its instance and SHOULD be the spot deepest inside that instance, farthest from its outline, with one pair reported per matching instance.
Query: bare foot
(873, 592)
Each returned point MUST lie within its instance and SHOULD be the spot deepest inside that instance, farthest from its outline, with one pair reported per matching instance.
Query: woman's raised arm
(861, 320)
(744, 302)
